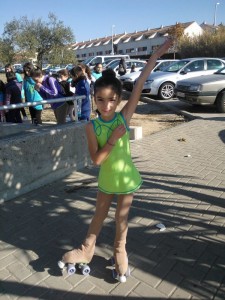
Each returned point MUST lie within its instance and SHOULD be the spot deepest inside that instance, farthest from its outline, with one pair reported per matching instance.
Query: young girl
(49, 88)
(82, 88)
(31, 95)
(108, 143)
(65, 81)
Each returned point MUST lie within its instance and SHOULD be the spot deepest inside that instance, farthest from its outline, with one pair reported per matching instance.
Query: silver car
(129, 78)
(162, 84)
(203, 90)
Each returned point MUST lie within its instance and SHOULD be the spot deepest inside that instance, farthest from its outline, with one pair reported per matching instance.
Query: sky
(91, 19)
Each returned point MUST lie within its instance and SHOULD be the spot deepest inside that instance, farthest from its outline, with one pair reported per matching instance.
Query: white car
(162, 84)
(129, 78)
(139, 64)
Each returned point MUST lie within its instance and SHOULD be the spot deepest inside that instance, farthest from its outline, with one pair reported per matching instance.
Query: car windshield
(86, 61)
(176, 66)
(220, 71)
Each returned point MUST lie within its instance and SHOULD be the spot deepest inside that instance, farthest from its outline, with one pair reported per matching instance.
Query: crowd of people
(35, 86)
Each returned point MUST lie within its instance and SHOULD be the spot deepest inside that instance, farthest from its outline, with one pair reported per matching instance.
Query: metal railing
(50, 101)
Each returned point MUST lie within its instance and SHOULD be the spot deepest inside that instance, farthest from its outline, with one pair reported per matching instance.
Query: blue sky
(89, 19)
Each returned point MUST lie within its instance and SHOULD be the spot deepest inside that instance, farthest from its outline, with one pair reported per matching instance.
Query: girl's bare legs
(121, 217)
(86, 251)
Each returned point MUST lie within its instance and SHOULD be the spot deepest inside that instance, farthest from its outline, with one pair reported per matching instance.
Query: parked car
(162, 84)
(139, 64)
(129, 78)
(92, 61)
(203, 90)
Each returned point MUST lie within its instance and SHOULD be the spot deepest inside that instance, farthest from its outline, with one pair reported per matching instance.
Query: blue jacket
(31, 95)
(83, 88)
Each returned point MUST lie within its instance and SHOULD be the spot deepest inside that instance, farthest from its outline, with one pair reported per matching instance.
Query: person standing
(122, 67)
(13, 96)
(108, 144)
(49, 88)
(82, 89)
(97, 71)
(31, 95)
(10, 68)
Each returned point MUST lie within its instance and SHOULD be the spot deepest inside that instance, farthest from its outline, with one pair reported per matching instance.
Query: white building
(139, 43)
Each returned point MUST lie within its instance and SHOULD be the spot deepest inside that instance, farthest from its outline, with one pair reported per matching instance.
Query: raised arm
(131, 105)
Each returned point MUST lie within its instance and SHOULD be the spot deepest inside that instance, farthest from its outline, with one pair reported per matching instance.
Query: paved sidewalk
(184, 188)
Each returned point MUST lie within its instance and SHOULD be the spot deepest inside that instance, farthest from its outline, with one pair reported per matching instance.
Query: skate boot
(121, 261)
(81, 256)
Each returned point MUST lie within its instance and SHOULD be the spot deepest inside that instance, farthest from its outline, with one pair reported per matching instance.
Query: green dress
(117, 175)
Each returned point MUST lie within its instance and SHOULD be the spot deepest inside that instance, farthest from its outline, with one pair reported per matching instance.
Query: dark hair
(27, 67)
(75, 72)
(108, 79)
(10, 76)
(10, 66)
(63, 72)
(36, 72)
(87, 70)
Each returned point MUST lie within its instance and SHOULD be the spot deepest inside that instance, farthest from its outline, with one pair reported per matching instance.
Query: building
(137, 44)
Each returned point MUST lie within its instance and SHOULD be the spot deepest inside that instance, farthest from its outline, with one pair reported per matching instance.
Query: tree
(210, 43)
(38, 39)
(176, 32)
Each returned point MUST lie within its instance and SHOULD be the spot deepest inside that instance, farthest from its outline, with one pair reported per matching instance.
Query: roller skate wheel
(122, 278)
(71, 269)
(61, 264)
(85, 270)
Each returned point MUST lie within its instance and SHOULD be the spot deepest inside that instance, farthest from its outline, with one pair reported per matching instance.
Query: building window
(99, 53)
(130, 50)
(91, 54)
(140, 49)
(78, 55)
(120, 52)
(83, 55)
(108, 51)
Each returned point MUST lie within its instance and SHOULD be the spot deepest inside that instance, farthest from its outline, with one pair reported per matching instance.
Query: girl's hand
(118, 132)
(37, 86)
(164, 47)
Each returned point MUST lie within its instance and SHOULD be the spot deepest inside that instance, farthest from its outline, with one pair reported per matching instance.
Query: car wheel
(220, 102)
(166, 90)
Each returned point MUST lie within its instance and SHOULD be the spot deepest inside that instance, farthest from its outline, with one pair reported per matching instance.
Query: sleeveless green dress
(117, 175)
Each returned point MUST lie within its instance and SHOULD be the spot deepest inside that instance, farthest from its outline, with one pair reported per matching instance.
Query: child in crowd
(49, 88)
(2, 95)
(10, 68)
(82, 88)
(31, 95)
(13, 96)
(65, 81)
(108, 143)
(97, 71)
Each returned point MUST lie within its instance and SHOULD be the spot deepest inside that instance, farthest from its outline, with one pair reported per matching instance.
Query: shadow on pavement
(39, 227)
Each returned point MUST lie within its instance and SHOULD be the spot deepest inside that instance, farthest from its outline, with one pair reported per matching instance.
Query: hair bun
(108, 73)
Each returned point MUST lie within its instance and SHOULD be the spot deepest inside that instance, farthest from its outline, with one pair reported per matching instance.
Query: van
(102, 59)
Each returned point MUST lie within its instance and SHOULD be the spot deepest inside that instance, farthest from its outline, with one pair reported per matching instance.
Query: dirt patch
(151, 117)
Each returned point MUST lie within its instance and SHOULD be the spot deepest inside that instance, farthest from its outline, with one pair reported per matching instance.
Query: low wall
(39, 156)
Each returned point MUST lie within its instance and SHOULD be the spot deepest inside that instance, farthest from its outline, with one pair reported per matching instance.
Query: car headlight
(194, 87)
(149, 81)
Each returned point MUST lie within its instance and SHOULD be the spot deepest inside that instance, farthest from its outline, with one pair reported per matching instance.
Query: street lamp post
(217, 3)
(112, 52)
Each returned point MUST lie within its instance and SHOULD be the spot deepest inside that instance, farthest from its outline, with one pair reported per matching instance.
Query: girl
(10, 68)
(82, 88)
(65, 81)
(49, 88)
(108, 143)
(31, 95)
